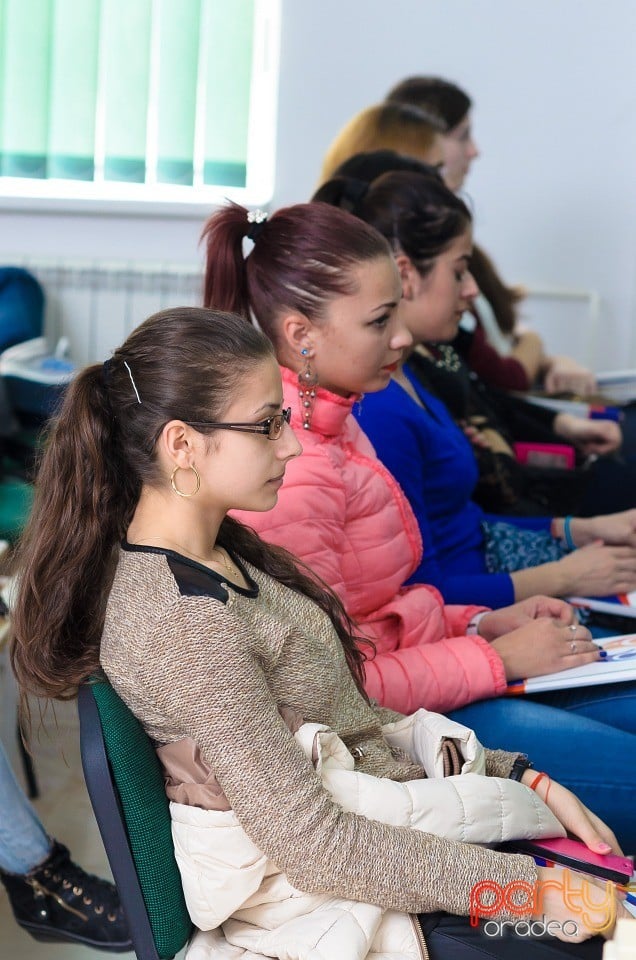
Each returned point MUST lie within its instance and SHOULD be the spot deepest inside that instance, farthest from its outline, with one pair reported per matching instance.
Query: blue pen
(629, 897)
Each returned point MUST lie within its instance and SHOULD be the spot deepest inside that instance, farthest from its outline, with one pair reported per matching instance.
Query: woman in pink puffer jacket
(342, 512)
(324, 287)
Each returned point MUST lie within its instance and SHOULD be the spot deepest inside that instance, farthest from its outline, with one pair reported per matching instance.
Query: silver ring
(572, 628)
(573, 646)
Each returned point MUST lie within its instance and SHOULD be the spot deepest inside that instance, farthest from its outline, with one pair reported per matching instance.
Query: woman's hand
(615, 528)
(482, 435)
(544, 646)
(597, 836)
(589, 436)
(596, 570)
(565, 375)
(574, 815)
(475, 435)
(497, 622)
(566, 898)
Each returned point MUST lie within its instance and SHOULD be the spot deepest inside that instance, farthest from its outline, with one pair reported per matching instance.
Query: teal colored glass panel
(125, 48)
(125, 169)
(175, 171)
(67, 167)
(177, 89)
(228, 43)
(73, 89)
(225, 174)
(29, 165)
(25, 87)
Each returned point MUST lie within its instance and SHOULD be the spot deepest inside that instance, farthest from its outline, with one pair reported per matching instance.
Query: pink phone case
(558, 455)
(574, 854)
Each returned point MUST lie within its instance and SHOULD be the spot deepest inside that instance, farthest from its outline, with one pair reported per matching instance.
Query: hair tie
(257, 219)
(107, 367)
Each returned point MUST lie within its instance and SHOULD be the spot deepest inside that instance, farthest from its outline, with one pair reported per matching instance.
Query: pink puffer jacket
(344, 514)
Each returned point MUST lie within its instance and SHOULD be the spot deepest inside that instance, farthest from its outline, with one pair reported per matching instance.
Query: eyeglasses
(270, 428)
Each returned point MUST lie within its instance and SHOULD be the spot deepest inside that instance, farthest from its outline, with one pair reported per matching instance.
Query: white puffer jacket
(245, 907)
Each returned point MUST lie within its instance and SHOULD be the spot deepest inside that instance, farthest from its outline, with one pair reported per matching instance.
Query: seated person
(325, 288)
(51, 897)
(208, 634)
(494, 420)
(467, 555)
(497, 348)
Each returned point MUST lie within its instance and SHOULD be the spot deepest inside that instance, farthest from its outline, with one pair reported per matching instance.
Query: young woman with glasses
(218, 641)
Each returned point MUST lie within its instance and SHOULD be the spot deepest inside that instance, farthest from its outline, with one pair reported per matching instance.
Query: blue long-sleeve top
(434, 463)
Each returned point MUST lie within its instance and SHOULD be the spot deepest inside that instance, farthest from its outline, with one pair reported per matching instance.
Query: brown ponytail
(85, 496)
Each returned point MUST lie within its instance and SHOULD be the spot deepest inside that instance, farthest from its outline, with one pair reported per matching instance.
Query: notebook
(618, 666)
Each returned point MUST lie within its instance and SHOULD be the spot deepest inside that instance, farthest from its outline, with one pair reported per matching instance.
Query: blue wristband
(567, 533)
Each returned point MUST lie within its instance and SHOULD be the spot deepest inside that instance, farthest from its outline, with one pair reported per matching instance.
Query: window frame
(171, 200)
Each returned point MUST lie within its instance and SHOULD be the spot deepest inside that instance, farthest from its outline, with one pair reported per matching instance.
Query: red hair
(302, 259)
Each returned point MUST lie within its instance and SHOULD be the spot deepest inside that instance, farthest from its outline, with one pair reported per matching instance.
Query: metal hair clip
(134, 385)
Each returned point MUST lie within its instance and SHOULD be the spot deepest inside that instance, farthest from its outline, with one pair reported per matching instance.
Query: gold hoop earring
(180, 493)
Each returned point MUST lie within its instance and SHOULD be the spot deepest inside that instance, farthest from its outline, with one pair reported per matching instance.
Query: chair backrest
(21, 306)
(127, 792)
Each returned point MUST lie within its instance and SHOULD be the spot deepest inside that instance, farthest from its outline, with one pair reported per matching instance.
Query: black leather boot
(58, 901)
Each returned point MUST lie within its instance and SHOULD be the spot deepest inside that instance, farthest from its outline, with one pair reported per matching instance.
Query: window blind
(136, 91)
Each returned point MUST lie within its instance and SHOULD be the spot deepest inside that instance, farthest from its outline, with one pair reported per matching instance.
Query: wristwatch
(520, 766)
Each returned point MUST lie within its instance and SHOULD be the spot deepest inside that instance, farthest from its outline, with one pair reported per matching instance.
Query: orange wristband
(537, 780)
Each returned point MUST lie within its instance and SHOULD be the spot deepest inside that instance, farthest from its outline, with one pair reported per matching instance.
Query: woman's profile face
(360, 340)
(436, 301)
(459, 151)
(242, 470)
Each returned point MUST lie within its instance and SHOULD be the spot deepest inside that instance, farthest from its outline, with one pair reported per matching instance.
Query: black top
(195, 579)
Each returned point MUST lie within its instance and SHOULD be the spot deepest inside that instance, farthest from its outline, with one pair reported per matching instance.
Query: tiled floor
(66, 812)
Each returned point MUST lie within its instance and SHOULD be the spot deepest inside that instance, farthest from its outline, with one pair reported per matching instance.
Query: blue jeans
(24, 843)
(585, 738)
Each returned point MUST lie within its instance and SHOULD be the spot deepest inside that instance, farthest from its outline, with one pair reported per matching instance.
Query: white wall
(554, 83)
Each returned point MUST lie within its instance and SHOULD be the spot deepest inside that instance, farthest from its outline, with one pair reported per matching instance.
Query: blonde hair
(385, 126)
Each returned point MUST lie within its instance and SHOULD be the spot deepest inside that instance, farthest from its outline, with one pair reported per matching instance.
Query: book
(621, 605)
(618, 666)
(574, 854)
(593, 408)
(617, 386)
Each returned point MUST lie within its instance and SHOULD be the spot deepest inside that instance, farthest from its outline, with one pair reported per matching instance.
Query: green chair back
(139, 782)
(16, 498)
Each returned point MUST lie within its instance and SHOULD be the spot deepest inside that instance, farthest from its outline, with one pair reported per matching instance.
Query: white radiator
(96, 304)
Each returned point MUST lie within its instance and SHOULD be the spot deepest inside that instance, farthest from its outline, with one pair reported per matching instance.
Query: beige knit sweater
(215, 671)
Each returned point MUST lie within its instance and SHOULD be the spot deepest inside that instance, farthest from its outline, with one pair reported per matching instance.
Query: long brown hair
(503, 299)
(184, 364)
